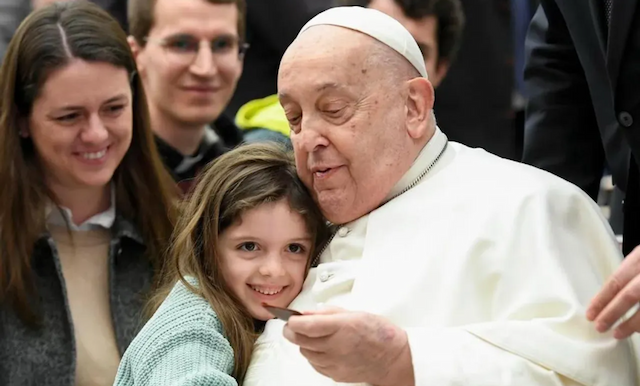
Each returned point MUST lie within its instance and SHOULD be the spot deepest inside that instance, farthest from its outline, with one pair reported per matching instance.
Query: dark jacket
(584, 99)
(47, 355)
(221, 136)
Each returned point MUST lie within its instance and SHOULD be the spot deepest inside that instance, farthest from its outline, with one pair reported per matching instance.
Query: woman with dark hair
(86, 207)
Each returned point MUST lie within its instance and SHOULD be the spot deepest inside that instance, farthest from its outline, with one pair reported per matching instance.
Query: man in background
(189, 55)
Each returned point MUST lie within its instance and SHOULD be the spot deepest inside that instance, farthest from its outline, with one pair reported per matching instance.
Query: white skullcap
(376, 24)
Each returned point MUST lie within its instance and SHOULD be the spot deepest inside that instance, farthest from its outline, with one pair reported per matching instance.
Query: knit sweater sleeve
(182, 345)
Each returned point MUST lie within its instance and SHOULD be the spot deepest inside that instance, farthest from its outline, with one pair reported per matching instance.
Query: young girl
(246, 237)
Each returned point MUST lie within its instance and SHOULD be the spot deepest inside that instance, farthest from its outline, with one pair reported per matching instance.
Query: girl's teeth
(96, 155)
(266, 292)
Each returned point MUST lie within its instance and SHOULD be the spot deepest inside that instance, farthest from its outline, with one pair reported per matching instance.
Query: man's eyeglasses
(184, 48)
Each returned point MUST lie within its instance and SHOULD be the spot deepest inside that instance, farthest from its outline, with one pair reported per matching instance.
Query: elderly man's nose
(310, 139)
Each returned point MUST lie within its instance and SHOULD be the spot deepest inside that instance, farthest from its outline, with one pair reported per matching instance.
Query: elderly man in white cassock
(450, 266)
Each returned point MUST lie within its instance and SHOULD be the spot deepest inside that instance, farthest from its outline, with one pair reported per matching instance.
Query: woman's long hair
(47, 40)
(240, 180)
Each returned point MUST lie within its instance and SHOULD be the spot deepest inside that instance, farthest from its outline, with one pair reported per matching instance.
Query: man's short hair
(141, 13)
(449, 14)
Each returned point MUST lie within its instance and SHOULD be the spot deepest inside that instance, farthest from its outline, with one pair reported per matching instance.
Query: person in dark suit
(582, 74)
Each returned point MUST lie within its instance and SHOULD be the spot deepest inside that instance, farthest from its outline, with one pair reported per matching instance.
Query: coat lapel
(578, 16)
(622, 15)
(600, 24)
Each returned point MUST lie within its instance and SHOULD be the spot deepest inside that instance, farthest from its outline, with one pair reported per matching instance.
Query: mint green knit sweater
(182, 345)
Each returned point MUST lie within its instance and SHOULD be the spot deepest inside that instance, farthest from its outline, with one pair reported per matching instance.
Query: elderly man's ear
(420, 99)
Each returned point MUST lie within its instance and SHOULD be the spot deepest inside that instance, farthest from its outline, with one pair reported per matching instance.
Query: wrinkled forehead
(325, 54)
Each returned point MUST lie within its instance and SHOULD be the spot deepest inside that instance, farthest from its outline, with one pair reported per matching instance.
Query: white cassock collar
(432, 150)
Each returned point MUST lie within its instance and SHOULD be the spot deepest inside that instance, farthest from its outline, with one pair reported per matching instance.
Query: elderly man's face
(347, 121)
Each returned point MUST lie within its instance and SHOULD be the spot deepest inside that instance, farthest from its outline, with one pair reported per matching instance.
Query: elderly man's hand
(353, 347)
(617, 297)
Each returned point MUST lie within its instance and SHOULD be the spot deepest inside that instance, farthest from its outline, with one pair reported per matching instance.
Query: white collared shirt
(61, 216)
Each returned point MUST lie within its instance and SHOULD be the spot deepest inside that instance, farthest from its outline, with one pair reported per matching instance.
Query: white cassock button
(343, 232)
(324, 276)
